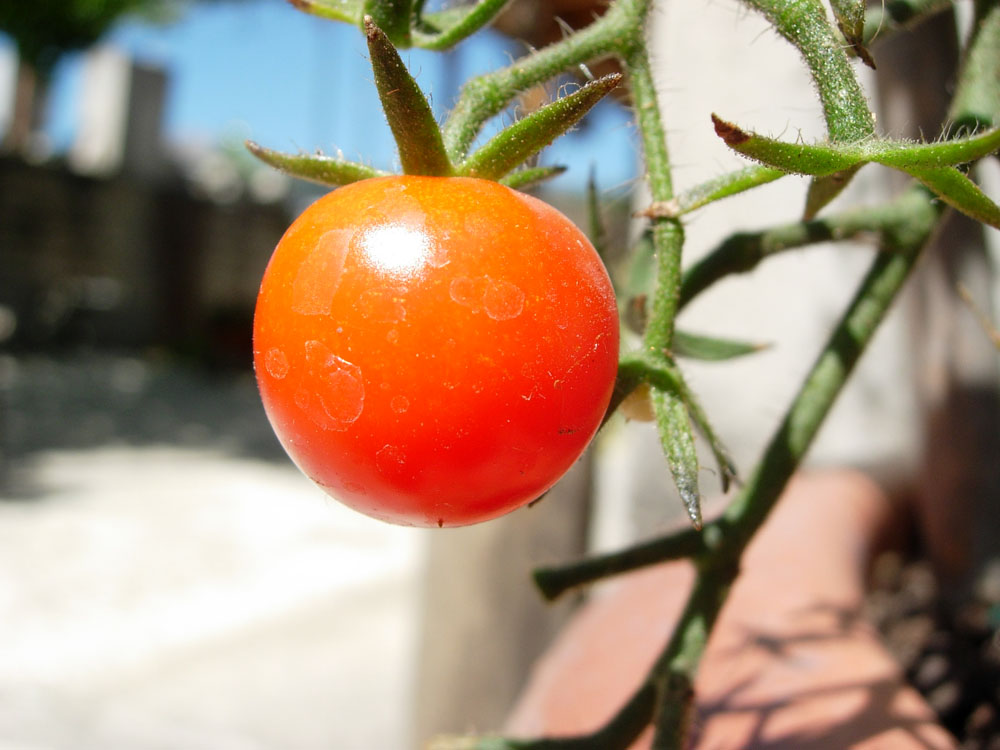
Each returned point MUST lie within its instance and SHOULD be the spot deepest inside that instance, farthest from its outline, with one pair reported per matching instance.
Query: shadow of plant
(876, 710)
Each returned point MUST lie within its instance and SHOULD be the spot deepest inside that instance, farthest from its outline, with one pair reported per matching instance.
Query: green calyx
(418, 137)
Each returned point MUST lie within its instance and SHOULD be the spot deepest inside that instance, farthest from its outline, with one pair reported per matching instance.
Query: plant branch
(904, 226)
(741, 252)
(976, 103)
(724, 186)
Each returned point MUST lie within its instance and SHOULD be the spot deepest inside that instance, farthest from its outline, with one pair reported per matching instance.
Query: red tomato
(434, 351)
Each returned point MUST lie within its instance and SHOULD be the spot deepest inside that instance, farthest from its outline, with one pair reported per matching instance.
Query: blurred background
(168, 579)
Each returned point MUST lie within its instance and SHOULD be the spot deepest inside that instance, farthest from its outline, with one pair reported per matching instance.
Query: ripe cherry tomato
(434, 351)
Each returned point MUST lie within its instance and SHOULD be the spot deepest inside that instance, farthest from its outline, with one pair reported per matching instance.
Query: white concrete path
(159, 597)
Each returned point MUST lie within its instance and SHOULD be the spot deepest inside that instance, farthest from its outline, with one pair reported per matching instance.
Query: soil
(953, 660)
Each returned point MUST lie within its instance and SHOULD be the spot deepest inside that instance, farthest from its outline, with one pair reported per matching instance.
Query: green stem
(804, 24)
(553, 582)
(826, 379)
(486, 96)
(977, 98)
(741, 252)
(677, 665)
(668, 234)
(906, 225)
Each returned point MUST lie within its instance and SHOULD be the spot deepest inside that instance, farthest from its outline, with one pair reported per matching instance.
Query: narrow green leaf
(446, 28)
(822, 190)
(525, 178)
(828, 159)
(727, 467)
(638, 282)
(957, 190)
(947, 153)
(595, 220)
(641, 275)
(392, 17)
(712, 190)
(711, 348)
(347, 11)
(801, 158)
(325, 170)
(418, 137)
(528, 136)
(678, 444)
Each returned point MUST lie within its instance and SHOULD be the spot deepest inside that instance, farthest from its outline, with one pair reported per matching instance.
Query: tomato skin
(434, 351)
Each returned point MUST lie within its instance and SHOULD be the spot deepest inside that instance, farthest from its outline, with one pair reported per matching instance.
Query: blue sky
(261, 69)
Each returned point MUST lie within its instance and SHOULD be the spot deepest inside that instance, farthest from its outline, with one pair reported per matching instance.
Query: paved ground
(168, 580)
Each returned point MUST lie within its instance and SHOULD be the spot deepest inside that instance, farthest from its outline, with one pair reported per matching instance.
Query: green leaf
(678, 444)
(957, 190)
(941, 154)
(524, 178)
(800, 158)
(526, 137)
(824, 189)
(711, 348)
(446, 28)
(595, 221)
(347, 11)
(325, 170)
(418, 137)
(727, 467)
(715, 189)
(638, 283)
(392, 17)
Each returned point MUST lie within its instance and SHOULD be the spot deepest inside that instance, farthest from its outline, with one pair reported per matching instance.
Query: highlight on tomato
(434, 351)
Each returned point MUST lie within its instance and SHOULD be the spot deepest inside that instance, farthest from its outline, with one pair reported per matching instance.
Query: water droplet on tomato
(389, 459)
(503, 300)
(319, 273)
(339, 397)
(400, 404)
(466, 292)
(276, 363)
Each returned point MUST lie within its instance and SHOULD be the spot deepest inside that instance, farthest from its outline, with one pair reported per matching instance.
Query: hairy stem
(486, 96)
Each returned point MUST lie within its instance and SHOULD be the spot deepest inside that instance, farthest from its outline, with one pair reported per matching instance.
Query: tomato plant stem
(486, 96)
